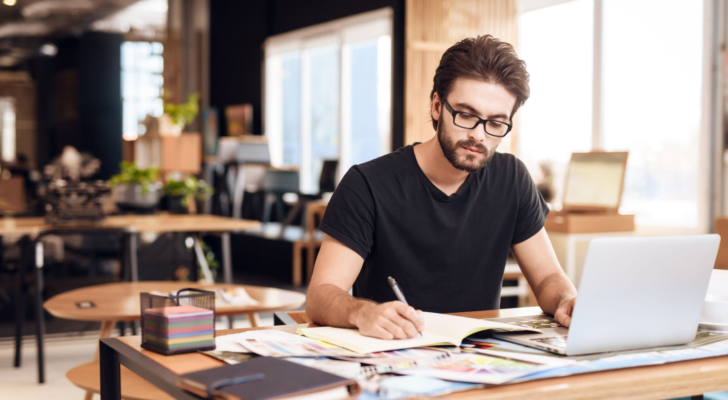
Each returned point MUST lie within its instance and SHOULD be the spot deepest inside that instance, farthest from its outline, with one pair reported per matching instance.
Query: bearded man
(441, 216)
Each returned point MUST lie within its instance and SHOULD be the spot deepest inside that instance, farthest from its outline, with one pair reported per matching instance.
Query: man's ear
(436, 107)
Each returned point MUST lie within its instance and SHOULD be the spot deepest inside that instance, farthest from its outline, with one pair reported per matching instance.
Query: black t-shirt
(447, 253)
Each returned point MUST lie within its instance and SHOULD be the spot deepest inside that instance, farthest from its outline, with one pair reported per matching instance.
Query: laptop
(635, 292)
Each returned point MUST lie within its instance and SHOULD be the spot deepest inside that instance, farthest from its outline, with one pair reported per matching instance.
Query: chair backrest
(327, 180)
(314, 214)
(281, 181)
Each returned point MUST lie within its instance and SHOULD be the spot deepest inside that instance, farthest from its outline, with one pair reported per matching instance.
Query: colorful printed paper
(282, 344)
(477, 368)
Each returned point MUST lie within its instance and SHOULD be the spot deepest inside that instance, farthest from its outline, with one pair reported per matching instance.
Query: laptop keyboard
(556, 341)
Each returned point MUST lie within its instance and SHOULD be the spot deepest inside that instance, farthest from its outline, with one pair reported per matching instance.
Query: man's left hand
(564, 310)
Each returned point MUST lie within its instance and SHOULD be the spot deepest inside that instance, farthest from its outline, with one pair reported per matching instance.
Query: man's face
(471, 149)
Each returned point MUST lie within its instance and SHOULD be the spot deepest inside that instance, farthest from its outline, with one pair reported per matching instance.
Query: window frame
(711, 185)
(339, 33)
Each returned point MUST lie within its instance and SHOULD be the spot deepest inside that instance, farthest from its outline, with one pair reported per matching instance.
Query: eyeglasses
(469, 121)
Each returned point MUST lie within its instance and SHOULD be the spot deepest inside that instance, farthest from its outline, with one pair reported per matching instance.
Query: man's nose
(477, 134)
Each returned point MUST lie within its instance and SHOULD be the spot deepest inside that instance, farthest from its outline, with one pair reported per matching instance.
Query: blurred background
(254, 110)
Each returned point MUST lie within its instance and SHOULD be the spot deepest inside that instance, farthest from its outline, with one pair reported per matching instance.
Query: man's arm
(555, 293)
(329, 303)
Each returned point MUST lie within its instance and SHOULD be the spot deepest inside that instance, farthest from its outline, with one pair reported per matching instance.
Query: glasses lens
(496, 128)
(465, 120)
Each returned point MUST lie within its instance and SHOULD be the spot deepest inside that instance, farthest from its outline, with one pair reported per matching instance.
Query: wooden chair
(522, 290)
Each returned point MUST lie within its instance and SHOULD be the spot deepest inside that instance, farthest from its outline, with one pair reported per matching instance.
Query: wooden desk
(685, 378)
(134, 224)
(120, 302)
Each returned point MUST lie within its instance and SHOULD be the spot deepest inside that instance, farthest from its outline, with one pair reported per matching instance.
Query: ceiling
(29, 24)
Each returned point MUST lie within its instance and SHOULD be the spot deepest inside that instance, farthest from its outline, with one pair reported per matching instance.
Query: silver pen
(398, 292)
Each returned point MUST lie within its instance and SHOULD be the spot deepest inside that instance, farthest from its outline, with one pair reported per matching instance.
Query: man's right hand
(393, 320)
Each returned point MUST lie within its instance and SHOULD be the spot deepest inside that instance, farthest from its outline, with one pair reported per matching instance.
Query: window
(328, 94)
(557, 119)
(644, 97)
(141, 83)
(652, 105)
(7, 129)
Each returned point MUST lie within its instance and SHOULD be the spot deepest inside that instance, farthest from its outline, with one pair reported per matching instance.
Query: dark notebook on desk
(272, 378)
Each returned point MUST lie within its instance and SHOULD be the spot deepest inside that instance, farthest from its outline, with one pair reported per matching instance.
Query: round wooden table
(120, 302)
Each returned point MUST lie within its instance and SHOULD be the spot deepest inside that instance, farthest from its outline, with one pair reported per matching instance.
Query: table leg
(202, 260)
(39, 320)
(110, 370)
(310, 259)
(570, 267)
(297, 247)
(107, 328)
(129, 257)
(522, 297)
(227, 261)
(254, 319)
(133, 262)
(239, 192)
(20, 298)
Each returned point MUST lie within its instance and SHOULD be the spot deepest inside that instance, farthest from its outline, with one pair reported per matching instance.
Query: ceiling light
(10, 2)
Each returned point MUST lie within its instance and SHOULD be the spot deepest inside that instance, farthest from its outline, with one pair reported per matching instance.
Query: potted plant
(181, 194)
(135, 189)
(176, 116)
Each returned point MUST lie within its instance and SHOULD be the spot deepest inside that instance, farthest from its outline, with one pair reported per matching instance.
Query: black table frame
(113, 354)
(129, 260)
(31, 258)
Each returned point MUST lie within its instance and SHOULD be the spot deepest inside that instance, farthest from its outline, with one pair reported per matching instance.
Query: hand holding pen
(391, 320)
(398, 293)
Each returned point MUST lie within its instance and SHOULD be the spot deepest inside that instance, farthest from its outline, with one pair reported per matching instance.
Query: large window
(141, 83)
(327, 94)
(644, 96)
(652, 105)
(556, 43)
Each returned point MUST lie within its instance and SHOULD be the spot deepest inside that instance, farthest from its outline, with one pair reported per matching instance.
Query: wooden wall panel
(432, 26)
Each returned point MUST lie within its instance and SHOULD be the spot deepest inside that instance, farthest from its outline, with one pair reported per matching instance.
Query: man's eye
(467, 116)
(496, 124)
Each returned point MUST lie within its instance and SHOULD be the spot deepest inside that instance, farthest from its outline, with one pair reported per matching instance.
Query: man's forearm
(330, 305)
(553, 291)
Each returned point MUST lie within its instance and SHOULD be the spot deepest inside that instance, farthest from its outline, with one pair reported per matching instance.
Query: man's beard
(469, 162)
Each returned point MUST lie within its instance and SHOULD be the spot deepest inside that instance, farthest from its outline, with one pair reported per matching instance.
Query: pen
(398, 292)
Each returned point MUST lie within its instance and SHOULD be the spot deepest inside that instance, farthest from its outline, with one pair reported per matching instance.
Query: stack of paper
(179, 328)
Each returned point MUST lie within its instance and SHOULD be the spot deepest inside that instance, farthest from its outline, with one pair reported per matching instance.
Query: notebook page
(455, 329)
(353, 340)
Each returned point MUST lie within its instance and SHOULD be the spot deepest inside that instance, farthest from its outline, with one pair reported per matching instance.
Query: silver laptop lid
(639, 292)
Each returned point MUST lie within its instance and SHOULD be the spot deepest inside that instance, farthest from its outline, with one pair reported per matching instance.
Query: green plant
(182, 114)
(187, 187)
(132, 175)
(210, 258)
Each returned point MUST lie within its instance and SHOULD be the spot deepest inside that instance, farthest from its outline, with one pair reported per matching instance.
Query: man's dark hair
(483, 58)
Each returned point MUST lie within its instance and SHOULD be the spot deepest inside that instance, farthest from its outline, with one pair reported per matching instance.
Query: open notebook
(440, 329)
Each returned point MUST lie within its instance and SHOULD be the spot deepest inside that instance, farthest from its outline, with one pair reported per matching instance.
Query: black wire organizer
(176, 333)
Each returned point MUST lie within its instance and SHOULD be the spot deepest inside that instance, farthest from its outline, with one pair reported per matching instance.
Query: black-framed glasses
(492, 127)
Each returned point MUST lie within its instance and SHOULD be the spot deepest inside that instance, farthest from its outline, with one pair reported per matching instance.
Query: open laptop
(635, 292)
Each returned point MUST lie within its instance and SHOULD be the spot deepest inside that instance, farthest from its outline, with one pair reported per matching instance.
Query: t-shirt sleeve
(349, 217)
(532, 209)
